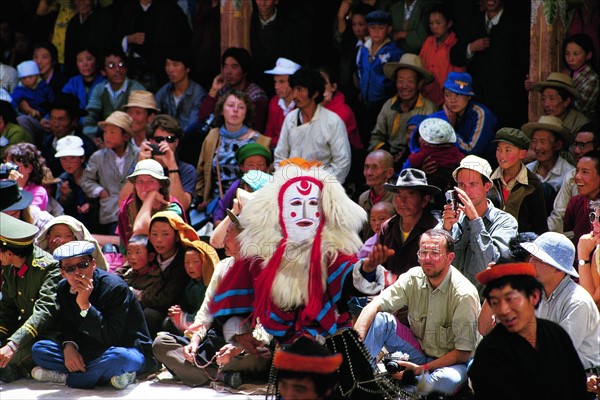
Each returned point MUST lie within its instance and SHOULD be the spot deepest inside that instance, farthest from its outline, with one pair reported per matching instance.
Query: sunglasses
(594, 217)
(79, 266)
(169, 139)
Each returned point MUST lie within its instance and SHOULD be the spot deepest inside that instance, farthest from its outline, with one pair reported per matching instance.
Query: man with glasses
(587, 139)
(563, 301)
(103, 336)
(442, 312)
(28, 298)
(111, 96)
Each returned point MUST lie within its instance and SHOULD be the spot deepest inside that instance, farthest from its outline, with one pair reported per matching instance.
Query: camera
(452, 198)
(390, 361)
(155, 149)
(6, 168)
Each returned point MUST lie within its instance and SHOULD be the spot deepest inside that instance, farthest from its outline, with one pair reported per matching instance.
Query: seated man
(27, 270)
(521, 343)
(562, 300)
(442, 311)
(587, 139)
(548, 136)
(103, 335)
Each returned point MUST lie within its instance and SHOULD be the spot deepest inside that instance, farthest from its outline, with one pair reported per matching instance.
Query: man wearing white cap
(563, 301)
(283, 101)
(481, 230)
(103, 336)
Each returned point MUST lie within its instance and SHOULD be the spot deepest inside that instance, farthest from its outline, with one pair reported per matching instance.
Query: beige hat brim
(140, 106)
(127, 129)
(540, 86)
(389, 69)
(531, 127)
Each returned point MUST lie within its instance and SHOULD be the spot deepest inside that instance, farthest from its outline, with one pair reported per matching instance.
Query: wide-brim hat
(410, 61)
(283, 66)
(555, 249)
(148, 167)
(560, 81)
(120, 119)
(460, 83)
(474, 163)
(549, 123)
(513, 136)
(412, 178)
(142, 99)
(437, 131)
(12, 198)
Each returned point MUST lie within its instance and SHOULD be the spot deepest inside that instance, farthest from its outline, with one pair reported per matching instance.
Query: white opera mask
(300, 207)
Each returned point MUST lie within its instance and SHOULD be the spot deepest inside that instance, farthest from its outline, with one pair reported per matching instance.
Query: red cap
(498, 271)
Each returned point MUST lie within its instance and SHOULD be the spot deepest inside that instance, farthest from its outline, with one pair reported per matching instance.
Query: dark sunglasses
(79, 266)
(169, 139)
(594, 217)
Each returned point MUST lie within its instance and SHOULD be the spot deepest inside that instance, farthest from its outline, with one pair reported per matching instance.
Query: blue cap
(76, 248)
(379, 18)
(460, 83)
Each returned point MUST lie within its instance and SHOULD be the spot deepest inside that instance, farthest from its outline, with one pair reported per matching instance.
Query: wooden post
(547, 32)
(235, 24)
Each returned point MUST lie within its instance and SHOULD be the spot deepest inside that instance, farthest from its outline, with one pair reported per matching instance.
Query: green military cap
(513, 136)
(16, 233)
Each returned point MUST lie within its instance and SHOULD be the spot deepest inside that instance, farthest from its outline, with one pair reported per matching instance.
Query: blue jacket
(186, 111)
(373, 84)
(76, 87)
(475, 130)
(40, 98)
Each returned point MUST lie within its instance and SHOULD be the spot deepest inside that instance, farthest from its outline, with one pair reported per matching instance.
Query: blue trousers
(386, 331)
(114, 361)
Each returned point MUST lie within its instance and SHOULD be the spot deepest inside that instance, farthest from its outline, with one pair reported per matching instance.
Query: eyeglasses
(79, 266)
(580, 145)
(433, 254)
(159, 139)
(112, 65)
(594, 217)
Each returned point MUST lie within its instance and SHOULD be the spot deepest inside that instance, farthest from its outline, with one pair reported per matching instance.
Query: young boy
(140, 272)
(32, 96)
(377, 50)
(519, 191)
(71, 154)
(108, 168)
(200, 260)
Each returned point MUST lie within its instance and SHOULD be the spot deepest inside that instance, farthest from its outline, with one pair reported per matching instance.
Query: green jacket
(14, 134)
(28, 303)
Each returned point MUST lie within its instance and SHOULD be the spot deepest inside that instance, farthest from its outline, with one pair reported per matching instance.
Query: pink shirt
(40, 195)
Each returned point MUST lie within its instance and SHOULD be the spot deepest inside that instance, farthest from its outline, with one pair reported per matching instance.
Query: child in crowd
(381, 212)
(377, 51)
(71, 154)
(32, 96)
(140, 272)
(199, 261)
(436, 140)
(31, 171)
(519, 191)
(108, 168)
(435, 52)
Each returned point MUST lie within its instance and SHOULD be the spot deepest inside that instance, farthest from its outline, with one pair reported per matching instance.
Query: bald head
(378, 169)
(383, 157)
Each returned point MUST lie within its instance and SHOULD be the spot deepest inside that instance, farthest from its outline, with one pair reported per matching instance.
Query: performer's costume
(298, 269)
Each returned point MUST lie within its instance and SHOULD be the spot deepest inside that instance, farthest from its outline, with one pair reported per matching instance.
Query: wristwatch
(582, 262)
(83, 313)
